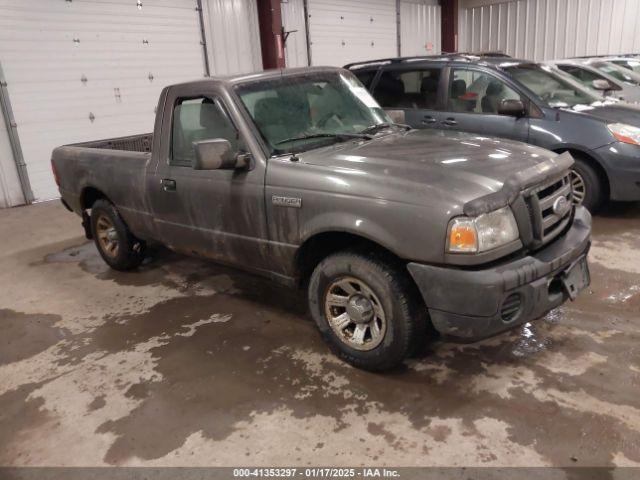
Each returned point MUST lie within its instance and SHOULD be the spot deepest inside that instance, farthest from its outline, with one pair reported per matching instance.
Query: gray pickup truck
(299, 175)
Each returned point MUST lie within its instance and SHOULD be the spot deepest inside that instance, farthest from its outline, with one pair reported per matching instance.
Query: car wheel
(116, 244)
(587, 186)
(367, 310)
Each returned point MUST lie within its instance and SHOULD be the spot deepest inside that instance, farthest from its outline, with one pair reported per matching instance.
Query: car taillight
(55, 173)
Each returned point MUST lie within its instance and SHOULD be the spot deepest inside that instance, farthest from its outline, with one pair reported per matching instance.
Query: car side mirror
(214, 154)
(511, 107)
(604, 85)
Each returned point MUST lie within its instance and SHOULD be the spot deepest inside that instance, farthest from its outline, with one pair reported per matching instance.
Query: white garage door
(352, 30)
(85, 69)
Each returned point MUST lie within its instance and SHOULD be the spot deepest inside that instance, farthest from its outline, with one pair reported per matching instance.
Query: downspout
(398, 26)
(203, 39)
(306, 30)
(14, 140)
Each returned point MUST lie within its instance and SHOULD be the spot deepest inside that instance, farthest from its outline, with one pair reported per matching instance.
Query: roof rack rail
(451, 56)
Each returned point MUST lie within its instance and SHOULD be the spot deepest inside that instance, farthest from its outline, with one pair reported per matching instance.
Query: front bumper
(469, 303)
(622, 164)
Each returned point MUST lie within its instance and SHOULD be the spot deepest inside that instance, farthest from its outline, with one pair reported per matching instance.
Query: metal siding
(344, 31)
(548, 29)
(119, 46)
(10, 190)
(419, 27)
(233, 36)
(295, 48)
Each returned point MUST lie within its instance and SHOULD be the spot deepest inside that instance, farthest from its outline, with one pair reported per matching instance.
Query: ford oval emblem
(560, 206)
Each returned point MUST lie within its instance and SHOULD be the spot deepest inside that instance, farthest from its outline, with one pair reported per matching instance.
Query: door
(415, 91)
(218, 214)
(472, 105)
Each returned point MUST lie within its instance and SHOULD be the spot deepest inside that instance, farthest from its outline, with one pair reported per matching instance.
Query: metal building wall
(295, 47)
(233, 36)
(420, 27)
(548, 29)
(10, 190)
(351, 30)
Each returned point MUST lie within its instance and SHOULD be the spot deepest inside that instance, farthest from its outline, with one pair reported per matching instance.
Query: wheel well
(318, 247)
(602, 174)
(89, 196)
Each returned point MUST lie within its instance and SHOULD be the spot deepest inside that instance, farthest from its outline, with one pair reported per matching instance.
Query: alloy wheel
(355, 313)
(107, 236)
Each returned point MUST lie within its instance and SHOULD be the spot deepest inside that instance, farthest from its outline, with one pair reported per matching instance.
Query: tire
(397, 310)
(116, 244)
(587, 179)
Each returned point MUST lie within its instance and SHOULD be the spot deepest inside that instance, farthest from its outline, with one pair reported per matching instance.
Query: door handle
(168, 184)
(450, 122)
(428, 119)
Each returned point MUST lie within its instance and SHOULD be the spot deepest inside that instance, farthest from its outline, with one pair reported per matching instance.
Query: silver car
(599, 75)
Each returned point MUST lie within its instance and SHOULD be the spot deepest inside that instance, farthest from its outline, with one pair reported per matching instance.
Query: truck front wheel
(366, 310)
(116, 244)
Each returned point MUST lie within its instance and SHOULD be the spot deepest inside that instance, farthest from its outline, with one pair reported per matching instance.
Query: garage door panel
(348, 31)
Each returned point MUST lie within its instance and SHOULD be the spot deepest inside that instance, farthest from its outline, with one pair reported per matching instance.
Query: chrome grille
(549, 214)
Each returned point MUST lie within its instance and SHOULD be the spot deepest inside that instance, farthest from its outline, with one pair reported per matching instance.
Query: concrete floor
(186, 363)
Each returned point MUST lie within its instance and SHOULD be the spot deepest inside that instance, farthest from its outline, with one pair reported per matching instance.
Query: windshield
(631, 64)
(298, 113)
(618, 72)
(572, 74)
(550, 87)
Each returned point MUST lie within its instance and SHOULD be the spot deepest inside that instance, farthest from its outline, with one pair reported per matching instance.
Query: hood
(618, 112)
(422, 166)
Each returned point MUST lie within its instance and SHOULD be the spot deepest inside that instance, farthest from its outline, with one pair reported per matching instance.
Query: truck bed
(114, 168)
(132, 143)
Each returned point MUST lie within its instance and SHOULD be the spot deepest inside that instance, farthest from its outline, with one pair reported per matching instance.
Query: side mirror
(604, 85)
(512, 108)
(214, 154)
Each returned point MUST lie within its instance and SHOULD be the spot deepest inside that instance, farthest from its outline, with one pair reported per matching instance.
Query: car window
(550, 87)
(586, 77)
(408, 89)
(196, 119)
(365, 76)
(477, 92)
(629, 64)
(618, 72)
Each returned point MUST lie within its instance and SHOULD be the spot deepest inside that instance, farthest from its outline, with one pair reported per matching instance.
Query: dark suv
(521, 100)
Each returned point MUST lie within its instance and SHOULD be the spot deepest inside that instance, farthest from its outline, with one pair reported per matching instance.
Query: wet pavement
(186, 363)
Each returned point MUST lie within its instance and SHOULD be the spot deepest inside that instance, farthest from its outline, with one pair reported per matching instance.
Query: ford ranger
(299, 176)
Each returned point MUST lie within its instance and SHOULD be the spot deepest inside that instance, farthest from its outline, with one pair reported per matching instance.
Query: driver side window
(196, 119)
(472, 91)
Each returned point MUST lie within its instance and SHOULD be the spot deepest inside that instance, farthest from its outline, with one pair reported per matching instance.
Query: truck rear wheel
(366, 310)
(116, 244)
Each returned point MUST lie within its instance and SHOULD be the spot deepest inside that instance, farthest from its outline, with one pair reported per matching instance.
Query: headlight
(482, 233)
(625, 133)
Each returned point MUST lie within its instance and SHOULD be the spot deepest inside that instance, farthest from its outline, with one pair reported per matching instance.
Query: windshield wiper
(338, 136)
(377, 127)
